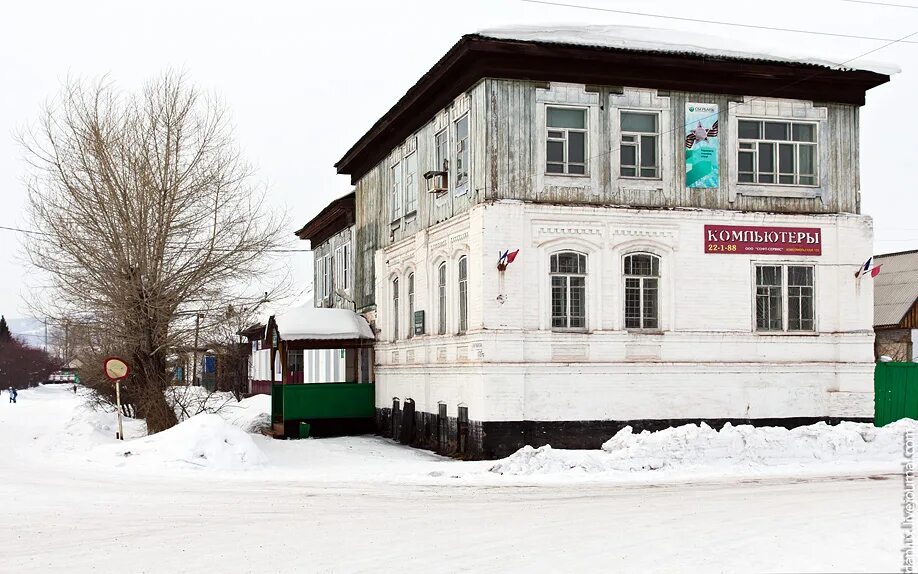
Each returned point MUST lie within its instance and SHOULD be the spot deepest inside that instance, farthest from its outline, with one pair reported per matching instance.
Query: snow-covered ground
(208, 495)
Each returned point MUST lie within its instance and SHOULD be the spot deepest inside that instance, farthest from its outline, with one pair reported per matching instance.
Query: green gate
(895, 387)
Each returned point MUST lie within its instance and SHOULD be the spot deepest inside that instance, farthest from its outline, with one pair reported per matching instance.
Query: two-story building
(686, 226)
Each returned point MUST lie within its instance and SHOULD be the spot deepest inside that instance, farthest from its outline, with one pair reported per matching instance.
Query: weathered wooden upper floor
(530, 122)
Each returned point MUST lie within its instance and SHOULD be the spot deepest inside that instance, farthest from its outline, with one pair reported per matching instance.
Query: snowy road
(80, 518)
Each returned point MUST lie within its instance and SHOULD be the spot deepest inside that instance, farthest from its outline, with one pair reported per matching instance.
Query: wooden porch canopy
(307, 327)
(319, 328)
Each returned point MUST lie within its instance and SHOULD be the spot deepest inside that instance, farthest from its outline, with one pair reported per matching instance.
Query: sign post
(116, 370)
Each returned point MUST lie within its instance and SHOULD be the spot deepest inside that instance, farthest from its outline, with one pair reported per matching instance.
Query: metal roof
(895, 289)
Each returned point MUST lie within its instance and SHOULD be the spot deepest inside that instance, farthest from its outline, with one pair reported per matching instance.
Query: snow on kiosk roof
(321, 324)
(611, 56)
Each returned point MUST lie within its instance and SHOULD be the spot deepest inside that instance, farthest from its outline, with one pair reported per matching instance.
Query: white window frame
(642, 279)
(785, 299)
(410, 288)
(637, 144)
(463, 146)
(395, 192)
(326, 272)
(565, 141)
(754, 151)
(394, 283)
(410, 183)
(442, 163)
(551, 303)
(442, 298)
(462, 286)
(339, 268)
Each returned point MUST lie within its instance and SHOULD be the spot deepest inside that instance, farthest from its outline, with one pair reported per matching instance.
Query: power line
(716, 22)
(880, 4)
(217, 249)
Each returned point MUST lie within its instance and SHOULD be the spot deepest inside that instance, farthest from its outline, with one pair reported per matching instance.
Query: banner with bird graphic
(702, 164)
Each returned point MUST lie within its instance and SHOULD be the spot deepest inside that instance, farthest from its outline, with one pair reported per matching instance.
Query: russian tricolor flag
(868, 267)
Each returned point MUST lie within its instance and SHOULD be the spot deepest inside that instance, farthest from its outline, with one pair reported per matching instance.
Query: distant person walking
(13, 394)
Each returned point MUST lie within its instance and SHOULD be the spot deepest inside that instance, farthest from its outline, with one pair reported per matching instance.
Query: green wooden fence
(323, 401)
(895, 387)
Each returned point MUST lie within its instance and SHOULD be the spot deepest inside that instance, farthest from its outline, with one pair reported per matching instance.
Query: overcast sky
(305, 80)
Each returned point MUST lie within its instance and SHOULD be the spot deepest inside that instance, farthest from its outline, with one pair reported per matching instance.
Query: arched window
(568, 290)
(441, 299)
(395, 309)
(463, 294)
(642, 291)
(410, 305)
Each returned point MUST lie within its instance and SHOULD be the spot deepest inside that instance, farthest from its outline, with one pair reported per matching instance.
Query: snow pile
(733, 447)
(252, 415)
(203, 441)
(188, 401)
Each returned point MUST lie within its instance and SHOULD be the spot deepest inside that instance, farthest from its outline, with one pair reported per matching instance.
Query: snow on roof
(308, 322)
(671, 41)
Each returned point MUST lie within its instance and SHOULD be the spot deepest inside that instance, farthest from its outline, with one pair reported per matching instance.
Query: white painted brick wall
(706, 362)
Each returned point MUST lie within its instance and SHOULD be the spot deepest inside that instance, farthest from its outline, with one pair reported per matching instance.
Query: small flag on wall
(868, 268)
(506, 258)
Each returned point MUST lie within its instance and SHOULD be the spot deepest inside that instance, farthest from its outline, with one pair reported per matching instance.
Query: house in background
(895, 306)
(687, 219)
(330, 235)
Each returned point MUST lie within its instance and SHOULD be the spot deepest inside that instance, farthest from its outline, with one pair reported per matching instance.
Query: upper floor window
(441, 299)
(565, 146)
(441, 144)
(463, 294)
(343, 267)
(639, 151)
(568, 290)
(784, 298)
(395, 330)
(642, 291)
(396, 192)
(777, 152)
(462, 154)
(411, 183)
(326, 271)
(410, 305)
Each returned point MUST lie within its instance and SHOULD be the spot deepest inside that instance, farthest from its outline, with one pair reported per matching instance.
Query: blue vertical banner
(702, 164)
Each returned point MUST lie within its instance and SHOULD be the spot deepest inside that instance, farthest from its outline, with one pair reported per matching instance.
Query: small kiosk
(326, 373)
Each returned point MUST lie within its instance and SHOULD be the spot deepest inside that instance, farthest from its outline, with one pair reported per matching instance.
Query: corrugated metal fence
(895, 388)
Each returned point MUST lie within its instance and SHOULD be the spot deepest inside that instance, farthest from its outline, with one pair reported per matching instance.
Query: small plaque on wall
(419, 322)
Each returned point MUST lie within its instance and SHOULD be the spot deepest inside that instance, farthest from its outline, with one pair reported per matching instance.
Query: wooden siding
(338, 298)
(507, 161)
(514, 135)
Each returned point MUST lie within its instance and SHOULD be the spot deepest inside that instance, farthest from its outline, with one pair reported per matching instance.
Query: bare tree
(147, 216)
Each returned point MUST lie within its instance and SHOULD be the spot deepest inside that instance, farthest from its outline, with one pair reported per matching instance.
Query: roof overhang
(335, 217)
(476, 57)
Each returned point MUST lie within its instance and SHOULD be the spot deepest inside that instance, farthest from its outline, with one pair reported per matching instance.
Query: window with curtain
(642, 291)
(568, 290)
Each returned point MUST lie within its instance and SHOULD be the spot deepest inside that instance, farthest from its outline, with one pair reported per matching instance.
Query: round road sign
(116, 369)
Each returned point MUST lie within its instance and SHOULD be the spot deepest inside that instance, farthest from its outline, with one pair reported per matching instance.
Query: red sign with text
(754, 240)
